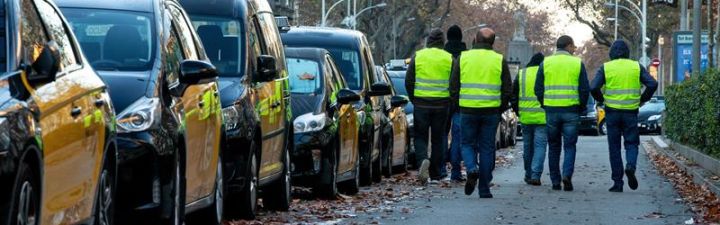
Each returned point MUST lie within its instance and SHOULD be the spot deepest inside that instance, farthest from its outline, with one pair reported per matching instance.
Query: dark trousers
(622, 126)
(431, 123)
(478, 146)
(562, 137)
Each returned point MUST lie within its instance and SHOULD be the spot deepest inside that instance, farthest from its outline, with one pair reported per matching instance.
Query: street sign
(655, 62)
(683, 51)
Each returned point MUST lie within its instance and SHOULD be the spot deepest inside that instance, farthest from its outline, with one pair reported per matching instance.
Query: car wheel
(603, 128)
(26, 207)
(326, 186)
(278, 195)
(104, 205)
(243, 205)
(406, 155)
(177, 193)
(388, 158)
(377, 168)
(213, 214)
(366, 170)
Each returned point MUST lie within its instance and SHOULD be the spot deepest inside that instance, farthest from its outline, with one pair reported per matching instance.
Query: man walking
(427, 82)
(623, 79)
(562, 88)
(454, 46)
(532, 118)
(481, 80)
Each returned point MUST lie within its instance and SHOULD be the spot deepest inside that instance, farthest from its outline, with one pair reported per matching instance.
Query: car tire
(377, 169)
(177, 194)
(326, 186)
(366, 169)
(213, 214)
(277, 197)
(602, 129)
(243, 205)
(388, 158)
(105, 197)
(25, 207)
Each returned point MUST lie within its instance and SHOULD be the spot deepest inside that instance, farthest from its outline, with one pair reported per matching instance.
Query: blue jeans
(478, 146)
(455, 147)
(431, 123)
(622, 125)
(534, 145)
(562, 136)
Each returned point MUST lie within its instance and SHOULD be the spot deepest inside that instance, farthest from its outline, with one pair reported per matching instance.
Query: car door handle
(99, 103)
(76, 111)
(201, 104)
(275, 104)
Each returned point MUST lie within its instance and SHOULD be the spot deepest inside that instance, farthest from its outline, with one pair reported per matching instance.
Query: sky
(563, 20)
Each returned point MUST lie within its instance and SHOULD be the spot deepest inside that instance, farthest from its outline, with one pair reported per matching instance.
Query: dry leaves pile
(703, 201)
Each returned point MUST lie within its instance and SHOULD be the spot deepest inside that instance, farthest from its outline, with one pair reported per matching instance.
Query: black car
(353, 56)
(326, 125)
(398, 79)
(589, 120)
(650, 116)
(165, 93)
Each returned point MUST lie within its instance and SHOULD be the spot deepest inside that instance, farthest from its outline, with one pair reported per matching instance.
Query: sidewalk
(517, 203)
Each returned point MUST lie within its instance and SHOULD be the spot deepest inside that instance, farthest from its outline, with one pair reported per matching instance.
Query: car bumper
(588, 124)
(649, 127)
(307, 154)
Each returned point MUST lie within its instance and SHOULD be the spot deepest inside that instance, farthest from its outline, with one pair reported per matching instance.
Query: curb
(701, 176)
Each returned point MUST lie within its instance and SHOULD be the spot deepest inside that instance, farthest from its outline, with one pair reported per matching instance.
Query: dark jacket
(620, 50)
(506, 87)
(422, 102)
(536, 60)
(454, 44)
(583, 90)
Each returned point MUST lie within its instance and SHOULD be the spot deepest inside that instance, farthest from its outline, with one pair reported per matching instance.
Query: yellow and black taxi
(241, 38)
(168, 110)
(57, 134)
(325, 123)
(396, 139)
(352, 54)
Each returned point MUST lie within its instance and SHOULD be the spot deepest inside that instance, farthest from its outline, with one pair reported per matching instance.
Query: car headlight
(654, 118)
(592, 114)
(231, 117)
(410, 120)
(309, 123)
(139, 116)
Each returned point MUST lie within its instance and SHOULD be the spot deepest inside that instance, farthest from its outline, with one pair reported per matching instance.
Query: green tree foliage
(693, 113)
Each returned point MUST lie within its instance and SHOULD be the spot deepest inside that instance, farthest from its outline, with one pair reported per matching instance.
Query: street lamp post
(323, 20)
(354, 17)
(616, 19)
(661, 68)
(643, 25)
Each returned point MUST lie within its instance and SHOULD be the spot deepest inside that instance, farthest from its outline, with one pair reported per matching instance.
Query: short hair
(564, 41)
(485, 36)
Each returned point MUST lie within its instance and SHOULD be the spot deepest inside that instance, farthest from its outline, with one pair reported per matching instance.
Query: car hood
(644, 115)
(303, 104)
(230, 90)
(125, 87)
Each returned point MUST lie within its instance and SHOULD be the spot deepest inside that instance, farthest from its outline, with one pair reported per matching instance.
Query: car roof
(220, 8)
(322, 36)
(317, 54)
(128, 5)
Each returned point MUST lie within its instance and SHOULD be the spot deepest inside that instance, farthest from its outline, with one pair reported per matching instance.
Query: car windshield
(349, 62)
(305, 77)
(399, 84)
(653, 106)
(114, 40)
(222, 38)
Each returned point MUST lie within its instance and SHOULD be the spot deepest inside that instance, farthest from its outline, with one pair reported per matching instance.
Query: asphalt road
(655, 202)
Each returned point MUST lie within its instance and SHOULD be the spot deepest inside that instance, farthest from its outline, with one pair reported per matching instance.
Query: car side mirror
(46, 65)
(267, 68)
(347, 96)
(380, 89)
(195, 72)
(399, 101)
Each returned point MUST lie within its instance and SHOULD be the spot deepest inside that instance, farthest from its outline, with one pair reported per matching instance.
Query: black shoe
(527, 180)
(556, 187)
(632, 180)
(458, 180)
(471, 182)
(616, 188)
(534, 182)
(567, 184)
(486, 195)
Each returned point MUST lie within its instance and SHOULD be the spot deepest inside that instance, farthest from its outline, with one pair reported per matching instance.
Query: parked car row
(145, 111)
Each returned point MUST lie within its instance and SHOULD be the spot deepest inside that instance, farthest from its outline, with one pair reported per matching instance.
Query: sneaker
(534, 182)
(556, 187)
(434, 182)
(423, 173)
(471, 182)
(632, 180)
(567, 184)
(616, 188)
(486, 195)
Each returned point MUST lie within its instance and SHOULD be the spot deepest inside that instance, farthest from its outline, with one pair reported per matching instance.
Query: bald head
(485, 36)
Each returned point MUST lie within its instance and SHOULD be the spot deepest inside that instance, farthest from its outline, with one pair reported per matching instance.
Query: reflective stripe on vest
(562, 78)
(480, 78)
(622, 84)
(432, 73)
(530, 110)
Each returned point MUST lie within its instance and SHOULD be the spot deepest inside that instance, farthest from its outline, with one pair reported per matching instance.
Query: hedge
(693, 113)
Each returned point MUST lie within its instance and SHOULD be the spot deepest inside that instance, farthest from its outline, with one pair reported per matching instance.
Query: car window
(329, 79)
(58, 32)
(399, 84)
(184, 32)
(271, 37)
(337, 74)
(305, 77)
(33, 36)
(172, 60)
(348, 61)
(114, 40)
(223, 40)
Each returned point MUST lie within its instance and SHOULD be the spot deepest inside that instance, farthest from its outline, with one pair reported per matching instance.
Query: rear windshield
(222, 39)
(305, 76)
(114, 40)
